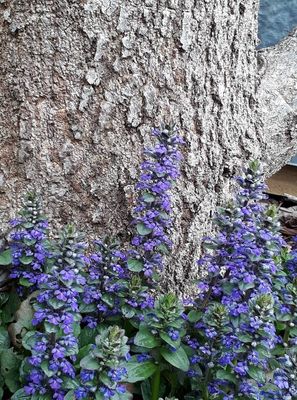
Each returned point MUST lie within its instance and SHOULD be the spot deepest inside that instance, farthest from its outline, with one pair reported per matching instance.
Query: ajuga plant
(158, 347)
(77, 295)
(112, 292)
(235, 333)
(93, 324)
(49, 371)
(104, 368)
(152, 213)
(22, 269)
(119, 283)
(285, 290)
(28, 245)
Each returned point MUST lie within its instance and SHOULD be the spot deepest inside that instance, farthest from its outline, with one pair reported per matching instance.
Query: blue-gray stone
(277, 18)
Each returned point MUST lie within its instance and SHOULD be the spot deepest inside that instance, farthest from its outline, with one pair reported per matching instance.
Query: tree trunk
(277, 95)
(82, 82)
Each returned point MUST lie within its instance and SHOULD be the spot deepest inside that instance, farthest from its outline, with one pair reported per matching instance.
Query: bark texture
(82, 82)
(277, 96)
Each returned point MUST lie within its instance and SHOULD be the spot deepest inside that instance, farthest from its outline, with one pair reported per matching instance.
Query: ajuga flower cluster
(87, 321)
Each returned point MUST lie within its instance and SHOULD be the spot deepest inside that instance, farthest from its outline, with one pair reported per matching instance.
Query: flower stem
(205, 386)
(156, 384)
(205, 393)
(287, 335)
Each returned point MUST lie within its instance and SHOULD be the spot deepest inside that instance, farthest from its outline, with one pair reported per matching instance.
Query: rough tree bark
(82, 82)
(277, 96)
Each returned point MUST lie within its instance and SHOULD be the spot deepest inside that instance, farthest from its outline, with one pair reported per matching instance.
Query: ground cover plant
(87, 321)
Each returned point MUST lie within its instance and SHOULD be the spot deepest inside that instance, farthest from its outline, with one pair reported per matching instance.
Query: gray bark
(82, 83)
(277, 95)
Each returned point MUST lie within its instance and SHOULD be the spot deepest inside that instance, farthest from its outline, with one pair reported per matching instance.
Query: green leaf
(173, 343)
(67, 283)
(283, 317)
(55, 303)
(139, 371)
(280, 326)
(24, 370)
(125, 396)
(10, 307)
(245, 338)
(50, 328)
(73, 350)
(257, 374)
(87, 308)
(25, 282)
(4, 339)
(83, 352)
(45, 368)
(70, 395)
(30, 242)
(246, 286)
(146, 390)
(9, 361)
(143, 230)
(227, 287)
(173, 379)
(293, 331)
(128, 311)
(254, 165)
(235, 322)
(225, 375)
(269, 387)
(144, 338)
(26, 260)
(263, 351)
(20, 395)
(104, 378)
(28, 225)
(89, 363)
(10, 364)
(209, 245)
(41, 397)
(163, 249)
(108, 299)
(164, 215)
(274, 364)
(70, 383)
(6, 257)
(87, 336)
(29, 340)
(278, 350)
(194, 316)
(12, 380)
(148, 197)
(70, 262)
(178, 358)
(135, 265)
(3, 298)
